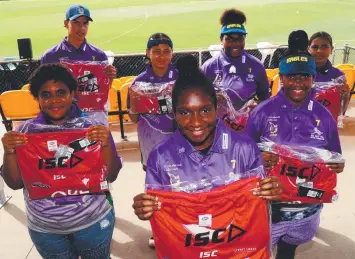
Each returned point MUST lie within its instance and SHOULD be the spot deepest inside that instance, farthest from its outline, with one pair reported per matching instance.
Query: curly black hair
(190, 77)
(232, 16)
(48, 72)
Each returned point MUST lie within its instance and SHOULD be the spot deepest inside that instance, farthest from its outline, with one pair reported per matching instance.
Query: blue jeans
(90, 243)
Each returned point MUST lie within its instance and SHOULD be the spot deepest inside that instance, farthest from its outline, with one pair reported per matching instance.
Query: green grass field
(123, 26)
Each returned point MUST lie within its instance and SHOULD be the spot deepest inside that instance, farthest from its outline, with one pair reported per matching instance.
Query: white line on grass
(127, 32)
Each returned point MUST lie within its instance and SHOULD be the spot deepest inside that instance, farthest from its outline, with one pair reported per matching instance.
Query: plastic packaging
(303, 172)
(153, 98)
(327, 93)
(207, 184)
(93, 83)
(235, 119)
(66, 163)
(224, 222)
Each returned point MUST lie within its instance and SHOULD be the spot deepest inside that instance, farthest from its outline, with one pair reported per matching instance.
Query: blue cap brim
(290, 66)
(79, 15)
(234, 30)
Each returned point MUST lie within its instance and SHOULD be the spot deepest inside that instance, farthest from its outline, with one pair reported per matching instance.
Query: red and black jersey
(61, 163)
(152, 98)
(94, 85)
(227, 222)
(330, 98)
(304, 181)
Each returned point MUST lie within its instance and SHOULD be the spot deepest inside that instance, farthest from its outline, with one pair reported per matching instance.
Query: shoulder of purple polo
(98, 53)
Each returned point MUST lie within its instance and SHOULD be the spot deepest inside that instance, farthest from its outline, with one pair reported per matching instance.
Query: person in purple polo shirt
(70, 226)
(75, 47)
(233, 68)
(202, 147)
(294, 117)
(152, 128)
(320, 47)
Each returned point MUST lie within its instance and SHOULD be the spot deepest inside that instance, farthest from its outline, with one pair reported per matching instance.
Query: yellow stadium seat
(130, 80)
(342, 66)
(112, 96)
(270, 75)
(17, 105)
(125, 78)
(26, 87)
(276, 71)
(116, 83)
(350, 78)
(124, 94)
(275, 85)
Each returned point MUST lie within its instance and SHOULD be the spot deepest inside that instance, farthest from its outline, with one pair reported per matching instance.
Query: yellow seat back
(124, 95)
(344, 66)
(350, 78)
(26, 87)
(275, 85)
(19, 105)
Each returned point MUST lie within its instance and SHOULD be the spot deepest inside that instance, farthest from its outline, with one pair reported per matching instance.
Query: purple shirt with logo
(328, 74)
(64, 50)
(279, 121)
(176, 160)
(64, 215)
(244, 77)
(153, 129)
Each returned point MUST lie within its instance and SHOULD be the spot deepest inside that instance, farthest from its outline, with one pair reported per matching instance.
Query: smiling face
(55, 100)
(297, 87)
(196, 116)
(320, 49)
(233, 44)
(78, 28)
(160, 56)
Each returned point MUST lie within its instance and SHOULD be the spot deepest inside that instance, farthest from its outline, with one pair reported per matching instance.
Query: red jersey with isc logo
(227, 222)
(94, 85)
(330, 98)
(60, 164)
(304, 181)
(153, 98)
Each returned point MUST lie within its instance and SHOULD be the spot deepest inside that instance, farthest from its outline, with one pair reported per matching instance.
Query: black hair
(323, 35)
(190, 77)
(297, 43)
(232, 16)
(55, 72)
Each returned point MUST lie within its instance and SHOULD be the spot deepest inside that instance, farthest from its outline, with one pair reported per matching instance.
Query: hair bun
(298, 41)
(187, 66)
(231, 16)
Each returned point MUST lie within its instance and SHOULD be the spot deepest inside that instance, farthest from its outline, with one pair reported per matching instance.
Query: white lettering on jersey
(225, 141)
(310, 106)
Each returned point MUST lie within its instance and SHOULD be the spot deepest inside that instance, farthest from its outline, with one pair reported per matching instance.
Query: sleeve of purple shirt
(263, 87)
(333, 137)
(251, 128)
(153, 175)
(207, 70)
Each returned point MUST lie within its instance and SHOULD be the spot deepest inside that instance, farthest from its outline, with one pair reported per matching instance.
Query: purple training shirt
(176, 160)
(64, 50)
(153, 129)
(244, 77)
(279, 121)
(328, 74)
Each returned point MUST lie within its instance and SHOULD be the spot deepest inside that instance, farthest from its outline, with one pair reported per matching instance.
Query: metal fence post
(346, 53)
(200, 58)
(3, 198)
